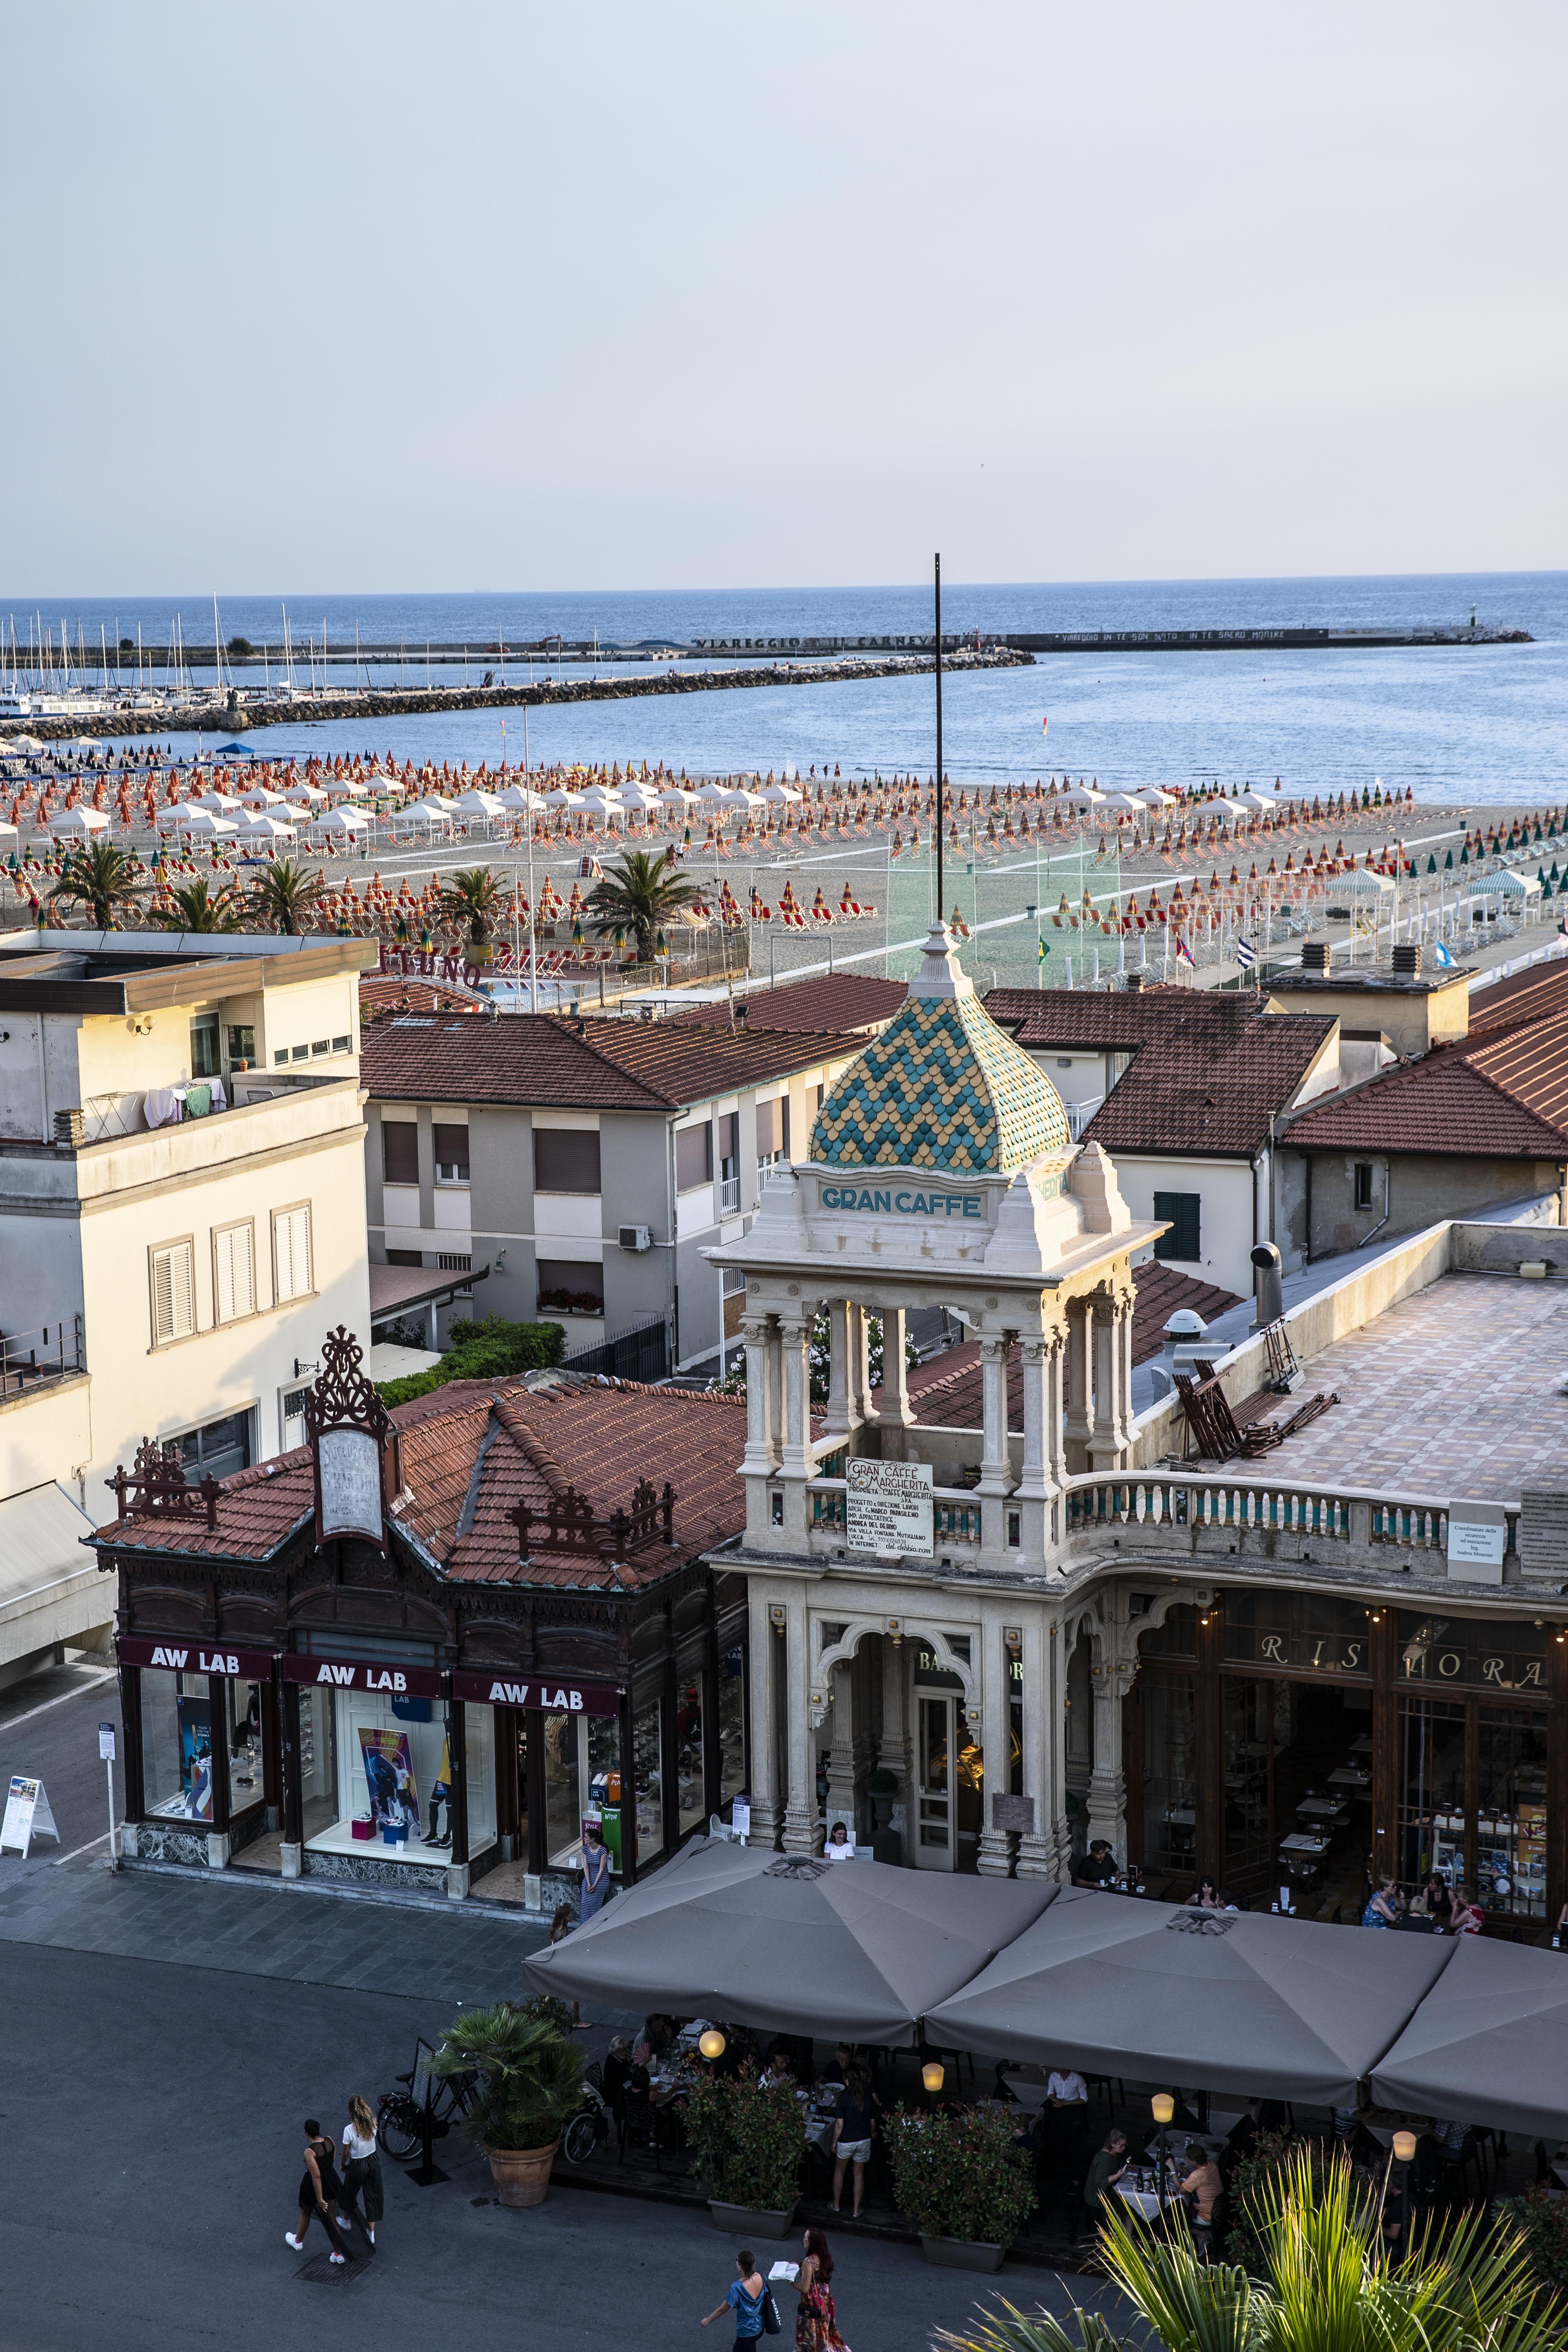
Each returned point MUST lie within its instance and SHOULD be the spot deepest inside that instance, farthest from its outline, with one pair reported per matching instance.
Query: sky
(375, 296)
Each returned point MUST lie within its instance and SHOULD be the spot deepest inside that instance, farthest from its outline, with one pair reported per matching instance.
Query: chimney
(1133, 980)
(1317, 956)
(1407, 960)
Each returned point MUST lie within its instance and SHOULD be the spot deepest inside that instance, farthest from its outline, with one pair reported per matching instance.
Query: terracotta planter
(963, 2253)
(521, 2175)
(739, 2222)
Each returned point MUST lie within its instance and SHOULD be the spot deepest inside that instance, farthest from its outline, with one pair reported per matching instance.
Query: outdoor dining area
(1141, 2051)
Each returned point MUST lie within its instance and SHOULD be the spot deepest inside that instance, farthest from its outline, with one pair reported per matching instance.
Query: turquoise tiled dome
(943, 1087)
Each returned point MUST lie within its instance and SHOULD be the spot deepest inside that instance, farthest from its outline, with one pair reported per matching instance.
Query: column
(1210, 1774)
(135, 1776)
(1054, 1346)
(1109, 1686)
(794, 1338)
(858, 1364)
(761, 1667)
(1043, 1851)
(998, 1847)
(1382, 1651)
(761, 1453)
(995, 1471)
(802, 1824)
(1125, 1299)
(628, 1794)
(1037, 1488)
(839, 1419)
(841, 1752)
(1104, 1440)
(457, 1741)
(897, 1413)
(895, 1751)
(1080, 1428)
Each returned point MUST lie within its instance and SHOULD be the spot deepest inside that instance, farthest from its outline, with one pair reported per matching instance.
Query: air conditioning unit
(635, 1237)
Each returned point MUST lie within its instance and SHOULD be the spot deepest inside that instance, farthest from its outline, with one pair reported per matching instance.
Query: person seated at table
(1205, 1896)
(840, 1846)
(1202, 2185)
(739, 2059)
(1105, 2170)
(1097, 1867)
(1468, 1918)
(1438, 1903)
(777, 2070)
(618, 2069)
(1384, 1905)
(657, 2035)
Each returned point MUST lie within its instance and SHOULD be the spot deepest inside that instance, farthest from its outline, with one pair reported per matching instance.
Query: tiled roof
(1503, 1095)
(1209, 1069)
(946, 1390)
(842, 1000)
(553, 1060)
(380, 997)
(1526, 996)
(475, 1449)
(942, 1088)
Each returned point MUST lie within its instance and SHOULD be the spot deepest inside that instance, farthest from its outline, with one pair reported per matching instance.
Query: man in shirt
(1104, 2172)
(1067, 2118)
(1097, 1867)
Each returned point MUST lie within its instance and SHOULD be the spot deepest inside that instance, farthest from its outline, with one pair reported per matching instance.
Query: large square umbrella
(1242, 2001)
(1489, 2043)
(790, 1943)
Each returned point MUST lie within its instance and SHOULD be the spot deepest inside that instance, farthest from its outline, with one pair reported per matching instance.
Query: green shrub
(965, 2175)
(490, 1349)
(747, 2142)
(529, 2077)
(1542, 2223)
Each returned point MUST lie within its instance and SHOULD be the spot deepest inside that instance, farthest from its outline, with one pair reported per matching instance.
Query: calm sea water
(1484, 724)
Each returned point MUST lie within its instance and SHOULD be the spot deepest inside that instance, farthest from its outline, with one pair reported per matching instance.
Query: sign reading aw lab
(882, 1201)
(553, 1696)
(387, 1681)
(196, 1658)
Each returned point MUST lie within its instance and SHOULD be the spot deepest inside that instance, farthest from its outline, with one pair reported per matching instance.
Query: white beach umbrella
(266, 828)
(340, 823)
(477, 804)
(305, 795)
(202, 822)
(82, 824)
(517, 801)
(220, 804)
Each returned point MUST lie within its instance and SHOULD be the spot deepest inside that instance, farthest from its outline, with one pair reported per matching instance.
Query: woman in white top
(361, 2168)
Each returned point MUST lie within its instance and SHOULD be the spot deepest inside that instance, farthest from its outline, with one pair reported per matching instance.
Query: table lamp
(711, 2044)
(934, 2074)
(1164, 2107)
(1405, 2147)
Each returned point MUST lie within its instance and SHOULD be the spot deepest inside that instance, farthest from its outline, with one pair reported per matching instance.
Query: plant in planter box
(528, 2080)
(882, 1788)
(746, 2143)
(962, 2176)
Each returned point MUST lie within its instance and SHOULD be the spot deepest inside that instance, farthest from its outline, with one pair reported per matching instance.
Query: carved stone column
(1079, 1427)
(1106, 1784)
(995, 1471)
(841, 1752)
(802, 1823)
(1038, 1486)
(1110, 1428)
(1043, 1851)
(761, 1456)
(765, 1659)
(895, 1751)
(839, 1418)
(795, 1339)
(998, 1847)
(896, 1412)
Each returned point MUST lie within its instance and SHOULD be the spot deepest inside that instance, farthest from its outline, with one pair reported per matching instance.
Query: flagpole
(941, 913)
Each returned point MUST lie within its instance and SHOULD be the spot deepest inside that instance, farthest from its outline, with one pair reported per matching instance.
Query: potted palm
(746, 2141)
(963, 2179)
(528, 2080)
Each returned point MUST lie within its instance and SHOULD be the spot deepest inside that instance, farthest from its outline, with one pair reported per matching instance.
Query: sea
(1484, 725)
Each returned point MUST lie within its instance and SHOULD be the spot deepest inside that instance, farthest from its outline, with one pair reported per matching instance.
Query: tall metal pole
(941, 902)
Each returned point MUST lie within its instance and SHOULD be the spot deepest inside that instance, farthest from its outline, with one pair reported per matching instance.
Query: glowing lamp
(711, 2044)
(1163, 2106)
(1404, 2146)
(934, 2074)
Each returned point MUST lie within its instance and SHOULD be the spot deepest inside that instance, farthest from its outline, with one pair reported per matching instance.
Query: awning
(1489, 2043)
(1244, 2001)
(50, 1589)
(790, 1943)
(394, 1287)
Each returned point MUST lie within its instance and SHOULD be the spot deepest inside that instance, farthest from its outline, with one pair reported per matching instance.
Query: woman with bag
(319, 2193)
(362, 2166)
(816, 2323)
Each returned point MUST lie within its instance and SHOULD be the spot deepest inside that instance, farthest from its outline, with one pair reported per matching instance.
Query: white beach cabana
(261, 829)
(78, 824)
(340, 825)
(202, 824)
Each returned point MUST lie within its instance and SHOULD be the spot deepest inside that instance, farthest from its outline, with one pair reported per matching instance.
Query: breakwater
(384, 702)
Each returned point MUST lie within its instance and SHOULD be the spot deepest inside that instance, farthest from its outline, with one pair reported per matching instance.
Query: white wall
(1226, 1219)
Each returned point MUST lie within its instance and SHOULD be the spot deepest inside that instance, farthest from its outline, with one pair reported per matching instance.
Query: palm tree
(196, 906)
(640, 894)
(1329, 2285)
(100, 878)
(471, 902)
(285, 896)
(528, 2074)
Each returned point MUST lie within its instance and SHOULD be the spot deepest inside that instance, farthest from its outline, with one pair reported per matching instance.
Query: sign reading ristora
(887, 1507)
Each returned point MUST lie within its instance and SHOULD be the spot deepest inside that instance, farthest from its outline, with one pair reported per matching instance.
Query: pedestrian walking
(595, 1872)
(320, 2190)
(853, 2124)
(816, 2322)
(361, 2168)
(747, 2293)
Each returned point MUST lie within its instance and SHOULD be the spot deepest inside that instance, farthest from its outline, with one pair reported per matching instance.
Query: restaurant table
(1350, 1776)
(1331, 1808)
(1305, 1845)
(1145, 2200)
(1362, 1747)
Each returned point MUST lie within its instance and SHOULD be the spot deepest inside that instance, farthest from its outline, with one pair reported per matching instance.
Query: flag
(1184, 953)
(1045, 722)
(1045, 951)
(1441, 957)
(1245, 954)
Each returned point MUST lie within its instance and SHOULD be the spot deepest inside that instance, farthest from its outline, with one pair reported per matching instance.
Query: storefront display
(648, 1781)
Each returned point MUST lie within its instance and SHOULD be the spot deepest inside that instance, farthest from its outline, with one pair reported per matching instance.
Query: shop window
(1437, 1649)
(1296, 1632)
(451, 1148)
(218, 1450)
(562, 1806)
(236, 1712)
(599, 1771)
(291, 1254)
(172, 1270)
(731, 1728)
(1170, 1773)
(234, 1272)
(688, 1730)
(647, 1782)
(176, 1747)
(1510, 1812)
(1431, 1826)
(566, 1159)
(693, 1156)
(317, 1760)
(1183, 1210)
(206, 1061)
(479, 1745)
(399, 1152)
(571, 1285)
(393, 1793)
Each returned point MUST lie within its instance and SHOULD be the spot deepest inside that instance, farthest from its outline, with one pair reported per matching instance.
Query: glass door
(934, 1824)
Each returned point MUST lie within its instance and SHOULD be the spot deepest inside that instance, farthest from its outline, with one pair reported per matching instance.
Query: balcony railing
(1194, 1505)
(54, 1352)
(955, 1515)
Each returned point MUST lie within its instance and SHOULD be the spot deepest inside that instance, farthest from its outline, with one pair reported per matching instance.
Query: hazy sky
(368, 295)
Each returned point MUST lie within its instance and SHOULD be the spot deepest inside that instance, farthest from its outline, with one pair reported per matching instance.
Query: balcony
(1199, 1515)
(32, 1360)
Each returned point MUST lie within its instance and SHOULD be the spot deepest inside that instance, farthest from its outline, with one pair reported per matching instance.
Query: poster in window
(195, 1757)
(389, 1775)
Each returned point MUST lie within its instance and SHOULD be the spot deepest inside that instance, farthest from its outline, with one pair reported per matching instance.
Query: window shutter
(235, 1272)
(174, 1316)
(291, 1245)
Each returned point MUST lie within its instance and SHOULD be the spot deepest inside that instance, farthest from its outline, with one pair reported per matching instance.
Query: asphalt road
(48, 1730)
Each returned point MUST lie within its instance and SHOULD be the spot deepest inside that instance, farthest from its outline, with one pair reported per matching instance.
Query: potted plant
(882, 1788)
(963, 2179)
(746, 2142)
(528, 2080)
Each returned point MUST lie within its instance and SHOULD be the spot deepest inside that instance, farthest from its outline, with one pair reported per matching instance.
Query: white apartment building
(181, 1214)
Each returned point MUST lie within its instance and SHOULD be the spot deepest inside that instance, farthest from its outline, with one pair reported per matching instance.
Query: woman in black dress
(320, 2190)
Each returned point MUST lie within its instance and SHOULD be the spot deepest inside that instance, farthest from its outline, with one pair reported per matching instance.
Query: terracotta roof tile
(837, 1001)
(594, 1064)
(1501, 1096)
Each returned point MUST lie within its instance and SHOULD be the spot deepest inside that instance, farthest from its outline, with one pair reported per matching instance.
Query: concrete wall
(1225, 1221)
(1422, 1187)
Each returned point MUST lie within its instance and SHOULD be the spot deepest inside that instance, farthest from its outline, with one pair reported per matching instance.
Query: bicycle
(427, 2108)
(590, 2125)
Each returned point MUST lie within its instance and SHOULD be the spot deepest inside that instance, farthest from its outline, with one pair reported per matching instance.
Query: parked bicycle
(428, 2106)
(591, 2123)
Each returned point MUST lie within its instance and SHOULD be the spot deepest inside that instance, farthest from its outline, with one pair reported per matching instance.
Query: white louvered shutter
(292, 1244)
(234, 1258)
(174, 1293)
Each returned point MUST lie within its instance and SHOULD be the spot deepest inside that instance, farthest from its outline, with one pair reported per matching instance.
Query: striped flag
(1185, 954)
(1245, 954)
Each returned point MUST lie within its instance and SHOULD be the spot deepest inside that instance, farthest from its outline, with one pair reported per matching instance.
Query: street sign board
(27, 1815)
(888, 1508)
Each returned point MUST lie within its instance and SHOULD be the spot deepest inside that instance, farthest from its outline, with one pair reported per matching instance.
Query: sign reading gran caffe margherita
(887, 1507)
